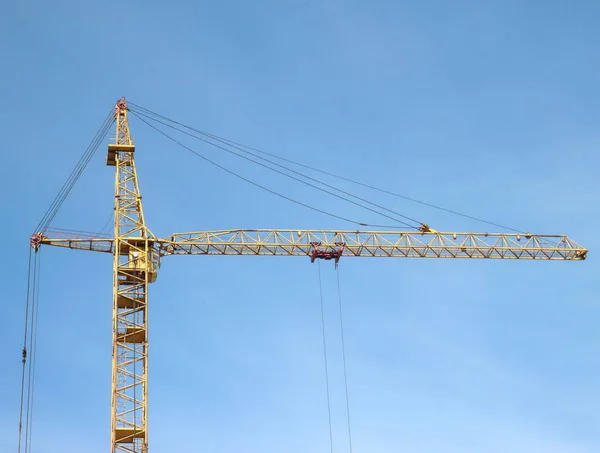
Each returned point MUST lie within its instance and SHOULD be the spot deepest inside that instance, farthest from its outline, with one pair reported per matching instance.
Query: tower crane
(137, 253)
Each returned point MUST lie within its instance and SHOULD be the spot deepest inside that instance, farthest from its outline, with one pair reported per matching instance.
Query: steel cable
(259, 185)
(344, 357)
(74, 175)
(401, 222)
(292, 171)
(333, 175)
(33, 351)
(325, 356)
(24, 350)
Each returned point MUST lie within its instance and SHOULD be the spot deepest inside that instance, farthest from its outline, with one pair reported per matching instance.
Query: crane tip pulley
(36, 240)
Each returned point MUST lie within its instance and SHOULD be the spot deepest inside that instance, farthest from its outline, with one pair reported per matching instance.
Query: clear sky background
(488, 108)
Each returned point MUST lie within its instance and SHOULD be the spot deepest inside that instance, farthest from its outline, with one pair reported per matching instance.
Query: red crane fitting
(331, 254)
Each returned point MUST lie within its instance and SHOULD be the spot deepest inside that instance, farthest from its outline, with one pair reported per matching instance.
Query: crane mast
(133, 269)
(137, 252)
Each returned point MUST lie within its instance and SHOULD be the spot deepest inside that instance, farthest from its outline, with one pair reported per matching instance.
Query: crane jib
(332, 245)
(137, 253)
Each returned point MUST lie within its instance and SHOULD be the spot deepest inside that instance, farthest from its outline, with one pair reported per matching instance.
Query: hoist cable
(333, 175)
(24, 350)
(344, 357)
(135, 113)
(259, 185)
(75, 174)
(32, 351)
(287, 169)
(325, 355)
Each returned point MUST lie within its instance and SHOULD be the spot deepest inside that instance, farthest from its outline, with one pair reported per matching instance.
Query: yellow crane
(137, 253)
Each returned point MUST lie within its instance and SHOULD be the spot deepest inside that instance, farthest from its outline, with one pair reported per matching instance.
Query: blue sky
(489, 108)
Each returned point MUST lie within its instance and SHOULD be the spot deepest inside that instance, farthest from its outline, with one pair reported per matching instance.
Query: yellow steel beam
(353, 243)
(374, 244)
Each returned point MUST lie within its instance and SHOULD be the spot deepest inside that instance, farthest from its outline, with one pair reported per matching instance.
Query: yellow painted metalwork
(137, 253)
(405, 244)
(133, 269)
(374, 244)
